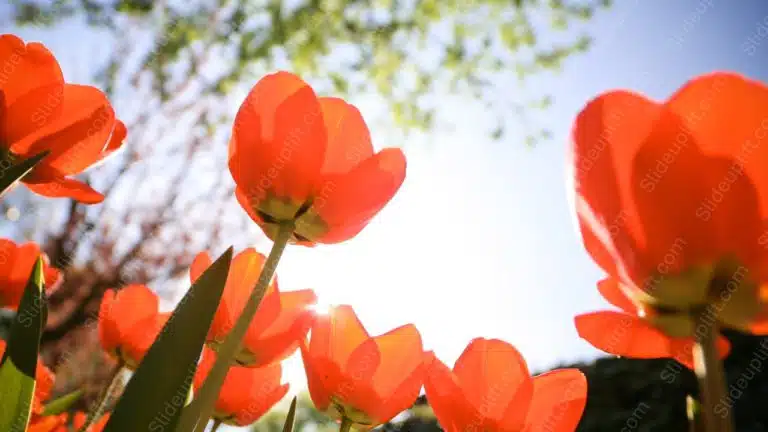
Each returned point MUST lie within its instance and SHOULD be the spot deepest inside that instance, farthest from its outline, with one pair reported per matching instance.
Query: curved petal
(606, 135)
(78, 136)
(293, 305)
(349, 140)
(281, 338)
(622, 334)
(243, 275)
(559, 398)
(25, 68)
(67, 188)
(137, 339)
(444, 395)
(728, 115)
(687, 216)
(30, 115)
(611, 291)
(278, 140)
(494, 378)
(315, 369)
(130, 306)
(681, 349)
(335, 335)
(402, 398)
(199, 265)
(385, 360)
(353, 199)
(17, 264)
(109, 334)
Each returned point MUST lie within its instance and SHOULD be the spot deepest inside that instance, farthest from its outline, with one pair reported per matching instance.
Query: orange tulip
(281, 321)
(247, 393)
(43, 382)
(490, 389)
(295, 156)
(39, 111)
(362, 379)
(671, 199)
(129, 322)
(79, 418)
(60, 423)
(54, 423)
(626, 334)
(16, 264)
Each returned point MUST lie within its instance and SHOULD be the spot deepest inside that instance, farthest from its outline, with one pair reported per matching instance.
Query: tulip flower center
(343, 410)
(721, 293)
(308, 224)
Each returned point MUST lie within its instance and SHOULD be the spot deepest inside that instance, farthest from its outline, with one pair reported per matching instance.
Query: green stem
(104, 398)
(693, 409)
(709, 371)
(216, 424)
(346, 425)
(209, 392)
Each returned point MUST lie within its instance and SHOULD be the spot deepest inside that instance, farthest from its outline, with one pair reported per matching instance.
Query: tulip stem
(216, 424)
(709, 371)
(104, 397)
(203, 405)
(346, 424)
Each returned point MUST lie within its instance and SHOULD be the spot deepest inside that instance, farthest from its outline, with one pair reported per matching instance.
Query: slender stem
(228, 350)
(216, 424)
(346, 425)
(709, 371)
(104, 397)
(693, 409)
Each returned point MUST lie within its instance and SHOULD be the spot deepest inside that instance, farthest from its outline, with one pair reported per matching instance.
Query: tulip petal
(78, 136)
(281, 337)
(25, 68)
(728, 115)
(355, 198)
(387, 359)
(495, 377)
(293, 304)
(559, 398)
(337, 334)
(199, 265)
(67, 188)
(349, 141)
(444, 395)
(30, 116)
(279, 139)
(123, 311)
(316, 368)
(680, 228)
(681, 349)
(606, 135)
(402, 397)
(622, 334)
(611, 291)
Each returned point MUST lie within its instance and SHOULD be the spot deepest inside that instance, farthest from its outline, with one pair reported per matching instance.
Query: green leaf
(19, 363)
(291, 418)
(61, 404)
(157, 392)
(10, 173)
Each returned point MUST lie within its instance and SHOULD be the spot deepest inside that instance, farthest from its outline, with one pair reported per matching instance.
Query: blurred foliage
(625, 395)
(399, 49)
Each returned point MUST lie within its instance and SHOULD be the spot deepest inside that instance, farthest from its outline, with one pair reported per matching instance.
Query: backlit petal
(349, 141)
(353, 199)
(622, 334)
(495, 377)
(559, 398)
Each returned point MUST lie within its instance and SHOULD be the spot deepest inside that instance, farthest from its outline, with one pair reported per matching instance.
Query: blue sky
(480, 241)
